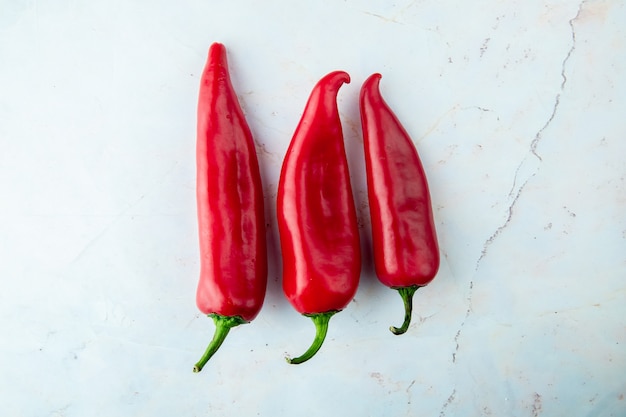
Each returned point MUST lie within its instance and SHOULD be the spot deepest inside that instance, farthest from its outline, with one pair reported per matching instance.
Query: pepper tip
(373, 80)
(217, 53)
(335, 78)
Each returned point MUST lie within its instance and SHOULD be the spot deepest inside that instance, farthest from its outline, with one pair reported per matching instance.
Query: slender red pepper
(406, 253)
(316, 215)
(233, 275)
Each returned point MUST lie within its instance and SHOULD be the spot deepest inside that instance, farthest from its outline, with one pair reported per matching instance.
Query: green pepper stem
(321, 328)
(407, 297)
(223, 324)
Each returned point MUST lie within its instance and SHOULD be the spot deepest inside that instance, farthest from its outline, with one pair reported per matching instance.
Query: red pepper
(233, 275)
(406, 253)
(316, 214)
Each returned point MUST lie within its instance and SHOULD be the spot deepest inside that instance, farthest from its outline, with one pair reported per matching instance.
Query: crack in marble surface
(535, 142)
(557, 100)
(515, 195)
(409, 394)
(467, 314)
(500, 228)
(445, 405)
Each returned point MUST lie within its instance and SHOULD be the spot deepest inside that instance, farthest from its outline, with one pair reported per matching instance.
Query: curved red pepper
(233, 258)
(316, 215)
(406, 253)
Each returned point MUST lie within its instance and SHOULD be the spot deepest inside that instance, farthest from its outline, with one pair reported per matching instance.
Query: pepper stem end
(407, 297)
(321, 328)
(223, 324)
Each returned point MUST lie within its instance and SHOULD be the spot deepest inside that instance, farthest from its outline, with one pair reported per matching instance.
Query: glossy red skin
(316, 215)
(233, 275)
(406, 252)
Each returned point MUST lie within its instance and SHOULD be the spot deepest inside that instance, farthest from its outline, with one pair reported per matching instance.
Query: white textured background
(518, 111)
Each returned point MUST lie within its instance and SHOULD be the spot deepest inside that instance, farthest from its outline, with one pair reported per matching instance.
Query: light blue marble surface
(518, 110)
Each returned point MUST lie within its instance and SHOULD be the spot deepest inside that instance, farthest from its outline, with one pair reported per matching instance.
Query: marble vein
(470, 292)
(449, 401)
(515, 193)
